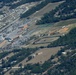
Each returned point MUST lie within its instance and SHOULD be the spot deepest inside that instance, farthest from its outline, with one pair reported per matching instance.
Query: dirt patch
(63, 30)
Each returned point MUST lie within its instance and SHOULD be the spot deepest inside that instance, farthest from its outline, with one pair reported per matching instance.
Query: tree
(20, 65)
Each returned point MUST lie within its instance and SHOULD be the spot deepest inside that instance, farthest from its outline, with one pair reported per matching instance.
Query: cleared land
(48, 33)
(46, 9)
(42, 55)
(38, 14)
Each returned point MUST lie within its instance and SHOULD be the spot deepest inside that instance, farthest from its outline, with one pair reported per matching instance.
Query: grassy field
(46, 54)
(41, 12)
(66, 22)
(43, 55)
(46, 9)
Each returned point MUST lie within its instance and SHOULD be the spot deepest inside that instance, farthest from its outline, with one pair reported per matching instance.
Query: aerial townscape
(37, 37)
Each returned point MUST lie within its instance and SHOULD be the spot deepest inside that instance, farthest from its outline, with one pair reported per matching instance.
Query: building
(1, 38)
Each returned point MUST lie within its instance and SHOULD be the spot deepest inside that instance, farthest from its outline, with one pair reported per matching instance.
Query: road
(50, 68)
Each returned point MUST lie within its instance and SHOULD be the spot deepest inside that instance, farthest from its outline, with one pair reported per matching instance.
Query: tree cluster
(64, 11)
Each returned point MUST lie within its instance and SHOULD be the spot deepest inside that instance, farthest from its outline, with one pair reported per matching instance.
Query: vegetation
(14, 5)
(7, 1)
(64, 11)
(37, 68)
(19, 56)
(67, 66)
(3, 54)
(37, 8)
(66, 62)
(69, 40)
(22, 2)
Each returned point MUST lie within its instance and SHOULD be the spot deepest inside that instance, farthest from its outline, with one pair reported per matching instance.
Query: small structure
(33, 55)
(1, 38)
(63, 30)
(9, 39)
(13, 62)
(39, 53)
(23, 27)
(51, 33)
(64, 53)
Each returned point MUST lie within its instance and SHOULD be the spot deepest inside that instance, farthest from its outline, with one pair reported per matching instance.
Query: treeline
(22, 2)
(37, 68)
(37, 8)
(64, 11)
(34, 9)
(19, 55)
(56, 0)
(12, 6)
(7, 1)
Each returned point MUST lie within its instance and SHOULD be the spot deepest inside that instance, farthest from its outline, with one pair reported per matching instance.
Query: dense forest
(64, 11)
(20, 1)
